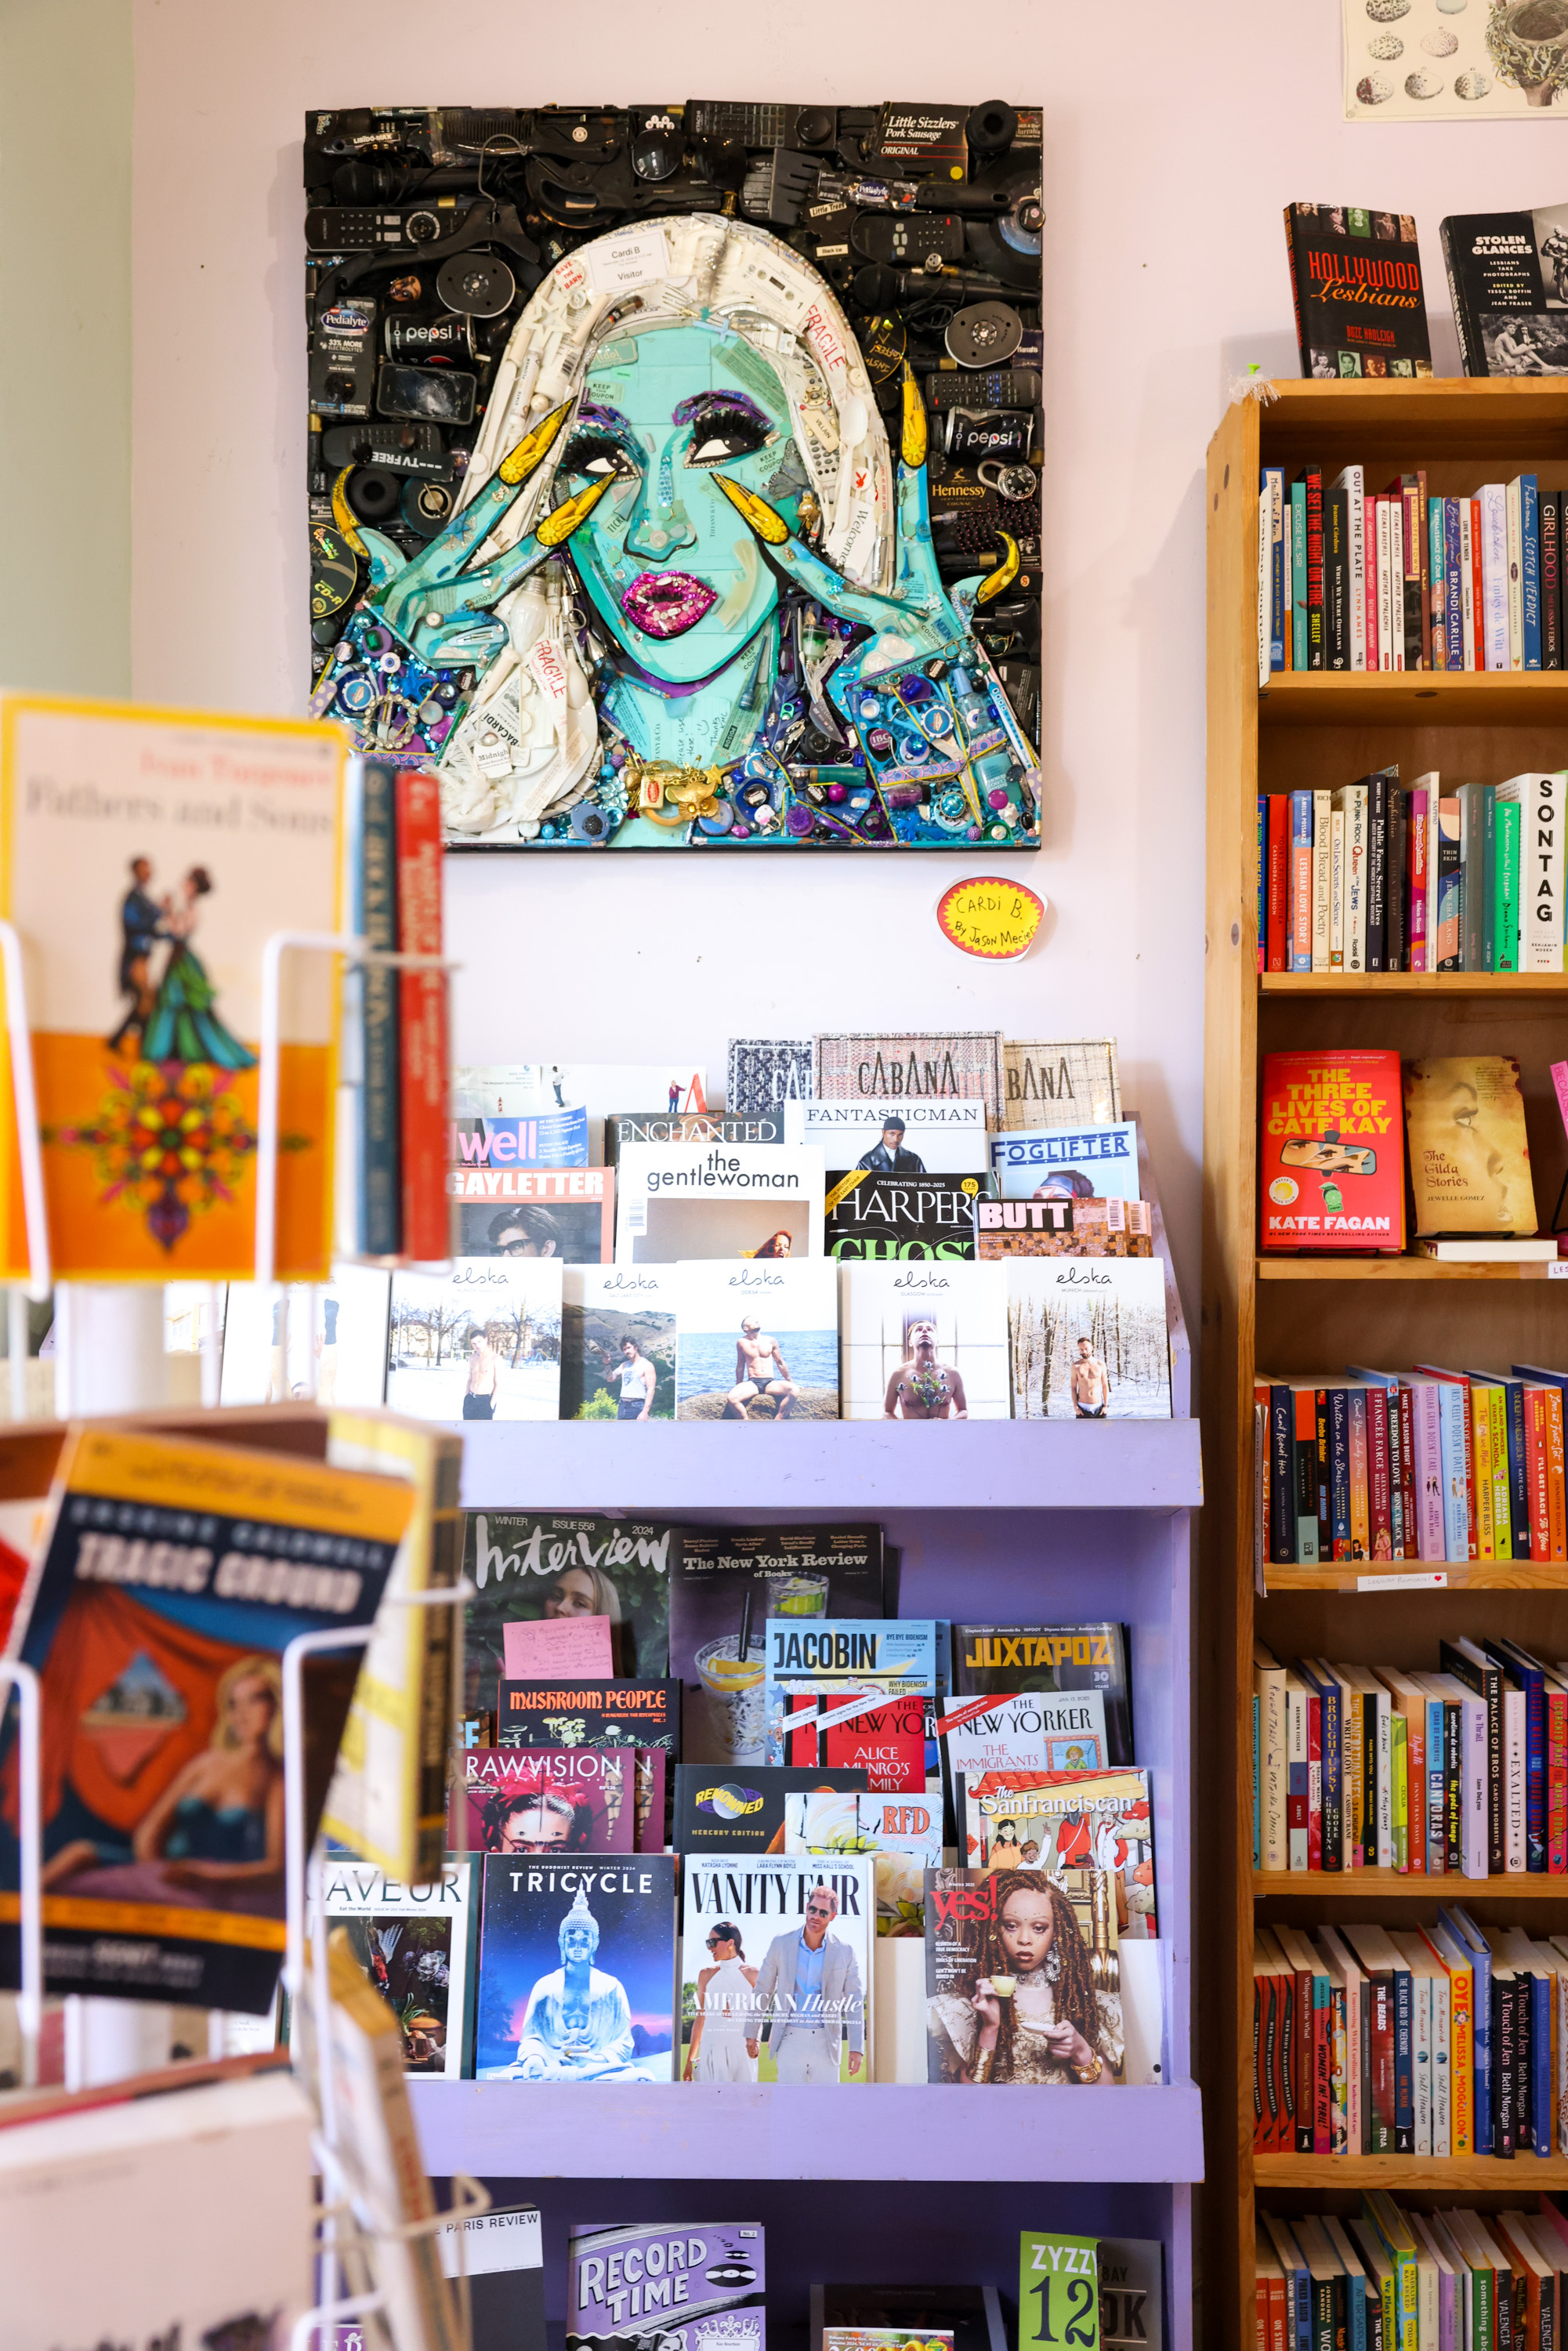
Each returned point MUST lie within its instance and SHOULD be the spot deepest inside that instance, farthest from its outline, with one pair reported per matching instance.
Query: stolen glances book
(701, 2284)
(170, 1579)
(1355, 279)
(528, 1565)
(188, 840)
(1507, 279)
(576, 1963)
(776, 1969)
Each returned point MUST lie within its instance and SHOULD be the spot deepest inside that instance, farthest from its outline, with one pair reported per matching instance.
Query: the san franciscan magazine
(776, 1969)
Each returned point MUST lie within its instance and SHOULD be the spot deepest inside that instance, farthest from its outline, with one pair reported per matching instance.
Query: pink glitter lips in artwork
(666, 603)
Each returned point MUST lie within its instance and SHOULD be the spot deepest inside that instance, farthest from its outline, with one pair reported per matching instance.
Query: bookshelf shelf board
(860, 1465)
(1415, 698)
(1459, 1576)
(1414, 422)
(1413, 983)
(1456, 2176)
(749, 2131)
(1394, 1269)
(1272, 1885)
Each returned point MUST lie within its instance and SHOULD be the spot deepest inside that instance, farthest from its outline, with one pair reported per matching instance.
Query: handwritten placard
(990, 916)
(566, 1648)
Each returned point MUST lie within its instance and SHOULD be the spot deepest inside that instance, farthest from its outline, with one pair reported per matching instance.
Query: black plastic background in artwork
(798, 607)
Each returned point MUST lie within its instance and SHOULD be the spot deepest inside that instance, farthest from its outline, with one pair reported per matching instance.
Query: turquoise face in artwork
(674, 574)
(690, 596)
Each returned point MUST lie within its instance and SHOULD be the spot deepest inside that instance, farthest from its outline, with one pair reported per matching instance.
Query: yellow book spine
(1502, 1513)
(1481, 1470)
(1461, 2061)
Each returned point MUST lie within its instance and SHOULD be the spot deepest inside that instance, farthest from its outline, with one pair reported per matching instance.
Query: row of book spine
(1462, 1772)
(1373, 877)
(1453, 2279)
(393, 1200)
(1430, 1463)
(1353, 578)
(1441, 2041)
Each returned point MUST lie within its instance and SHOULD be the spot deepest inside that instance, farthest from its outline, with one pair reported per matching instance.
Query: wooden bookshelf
(1296, 1314)
(1335, 1888)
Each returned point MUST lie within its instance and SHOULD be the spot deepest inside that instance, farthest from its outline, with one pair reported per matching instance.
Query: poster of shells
(1455, 60)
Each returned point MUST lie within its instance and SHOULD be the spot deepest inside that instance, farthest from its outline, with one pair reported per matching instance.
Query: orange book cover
(1331, 1157)
(145, 857)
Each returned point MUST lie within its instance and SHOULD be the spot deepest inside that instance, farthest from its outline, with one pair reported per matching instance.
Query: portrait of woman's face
(671, 569)
(1475, 1133)
(535, 1828)
(1026, 1928)
(249, 1709)
(573, 1596)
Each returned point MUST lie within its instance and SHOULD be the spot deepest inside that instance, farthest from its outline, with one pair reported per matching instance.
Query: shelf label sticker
(1557, 1269)
(1431, 1579)
(990, 916)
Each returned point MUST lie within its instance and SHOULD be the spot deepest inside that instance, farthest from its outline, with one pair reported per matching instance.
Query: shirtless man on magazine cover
(1089, 1383)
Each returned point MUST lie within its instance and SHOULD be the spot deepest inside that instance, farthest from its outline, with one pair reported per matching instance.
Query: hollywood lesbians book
(480, 1343)
(187, 841)
(1355, 279)
(528, 1565)
(548, 1799)
(702, 2282)
(1066, 1163)
(1071, 1084)
(877, 1217)
(577, 1969)
(886, 1068)
(758, 1340)
(417, 1945)
(1087, 1338)
(776, 1969)
(945, 1137)
(761, 1201)
(1003, 1660)
(618, 1342)
(923, 1340)
(1331, 1159)
(726, 1583)
(170, 1579)
(642, 1717)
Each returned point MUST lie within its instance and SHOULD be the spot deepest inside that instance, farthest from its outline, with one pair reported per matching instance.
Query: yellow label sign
(986, 915)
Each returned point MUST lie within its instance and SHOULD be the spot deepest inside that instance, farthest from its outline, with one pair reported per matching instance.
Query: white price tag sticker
(1431, 1580)
(1557, 1269)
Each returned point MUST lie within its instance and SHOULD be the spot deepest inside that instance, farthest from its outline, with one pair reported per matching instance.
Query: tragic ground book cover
(1331, 1159)
(1355, 276)
(170, 1579)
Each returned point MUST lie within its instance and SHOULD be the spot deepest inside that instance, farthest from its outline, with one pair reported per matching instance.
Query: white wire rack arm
(30, 1842)
(354, 949)
(25, 1100)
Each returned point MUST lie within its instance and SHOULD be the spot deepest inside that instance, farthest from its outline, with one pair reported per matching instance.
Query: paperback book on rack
(170, 1579)
(145, 859)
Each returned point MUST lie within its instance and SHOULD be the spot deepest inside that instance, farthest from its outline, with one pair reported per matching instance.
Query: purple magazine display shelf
(1055, 1521)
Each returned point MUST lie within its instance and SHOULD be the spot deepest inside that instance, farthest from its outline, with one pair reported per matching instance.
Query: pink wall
(1166, 165)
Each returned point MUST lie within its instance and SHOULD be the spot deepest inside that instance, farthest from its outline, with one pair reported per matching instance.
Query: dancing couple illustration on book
(175, 1020)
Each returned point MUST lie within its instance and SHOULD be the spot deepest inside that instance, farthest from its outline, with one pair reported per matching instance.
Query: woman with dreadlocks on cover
(1029, 2010)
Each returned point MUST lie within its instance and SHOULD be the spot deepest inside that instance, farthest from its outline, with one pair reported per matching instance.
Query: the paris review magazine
(577, 1969)
(172, 1578)
(145, 857)
(682, 2286)
(775, 1968)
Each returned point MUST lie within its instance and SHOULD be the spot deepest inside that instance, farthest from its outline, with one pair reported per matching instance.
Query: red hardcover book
(1322, 2075)
(1381, 2050)
(1330, 1158)
(1423, 815)
(1314, 480)
(421, 1003)
(1369, 572)
(1535, 1477)
(1423, 562)
(1556, 1494)
(1278, 880)
(1379, 1466)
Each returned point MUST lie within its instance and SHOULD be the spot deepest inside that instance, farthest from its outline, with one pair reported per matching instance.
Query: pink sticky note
(564, 1645)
